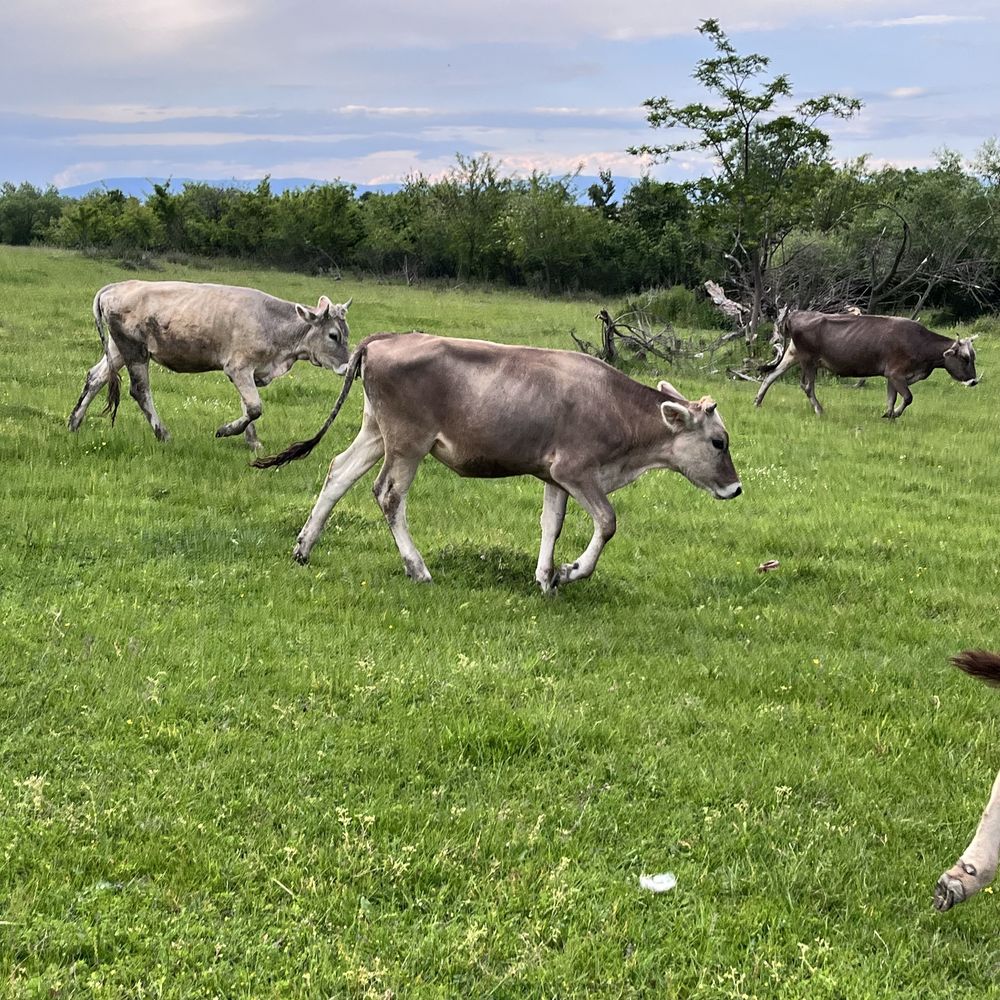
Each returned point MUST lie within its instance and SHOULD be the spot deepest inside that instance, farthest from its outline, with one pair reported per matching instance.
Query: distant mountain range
(142, 187)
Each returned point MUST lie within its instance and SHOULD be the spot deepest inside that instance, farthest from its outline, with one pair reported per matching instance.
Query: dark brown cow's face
(701, 444)
(960, 361)
(326, 340)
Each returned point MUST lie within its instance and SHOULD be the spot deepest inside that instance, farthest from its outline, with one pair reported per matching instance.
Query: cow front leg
(97, 379)
(553, 515)
(345, 470)
(390, 492)
(896, 384)
(788, 360)
(978, 863)
(250, 398)
(597, 505)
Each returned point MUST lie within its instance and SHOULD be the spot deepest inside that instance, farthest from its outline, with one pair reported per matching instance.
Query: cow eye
(719, 444)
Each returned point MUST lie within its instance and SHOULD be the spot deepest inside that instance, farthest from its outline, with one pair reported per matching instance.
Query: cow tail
(114, 380)
(302, 448)
(979, 664)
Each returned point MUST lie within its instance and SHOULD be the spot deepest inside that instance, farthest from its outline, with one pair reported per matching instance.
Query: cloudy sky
(370, 92)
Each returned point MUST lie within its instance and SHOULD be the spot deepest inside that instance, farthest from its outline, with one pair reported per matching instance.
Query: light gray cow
(251, 336)
(489, 410)
(975, 869)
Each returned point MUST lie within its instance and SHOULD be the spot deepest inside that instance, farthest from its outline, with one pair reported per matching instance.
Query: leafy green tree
(26, 212)
(766, 153)
(602, 195)
(549, 237)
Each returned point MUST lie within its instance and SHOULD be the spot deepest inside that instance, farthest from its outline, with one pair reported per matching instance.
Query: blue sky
(371, 92)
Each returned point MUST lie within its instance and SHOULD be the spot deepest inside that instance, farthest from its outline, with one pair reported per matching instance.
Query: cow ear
(323, 308)
(676, 416)
(711, 407)
(305, 313)
(668, 390)
(950, 352)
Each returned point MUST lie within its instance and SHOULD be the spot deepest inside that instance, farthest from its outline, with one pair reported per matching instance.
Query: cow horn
(347, 304)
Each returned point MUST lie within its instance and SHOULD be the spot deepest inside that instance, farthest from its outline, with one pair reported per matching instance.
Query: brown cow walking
(862, 346)
(978, 864)
(491, 410)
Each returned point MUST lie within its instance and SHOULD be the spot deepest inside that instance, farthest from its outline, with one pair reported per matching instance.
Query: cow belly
(184, 363)
(471, 465)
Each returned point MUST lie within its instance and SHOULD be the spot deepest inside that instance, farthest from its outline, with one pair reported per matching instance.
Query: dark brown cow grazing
(861, 346)
(978, 863)
(489, 410)
(251, 336)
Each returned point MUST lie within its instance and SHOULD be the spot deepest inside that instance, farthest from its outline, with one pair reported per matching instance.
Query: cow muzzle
(969, 383)
(728, 492)
(342, 369)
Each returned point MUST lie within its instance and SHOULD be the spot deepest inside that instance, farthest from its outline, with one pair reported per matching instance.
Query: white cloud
(902, 93)
(918, 21)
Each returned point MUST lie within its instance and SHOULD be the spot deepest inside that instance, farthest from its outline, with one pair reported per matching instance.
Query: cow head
(699, 443)
(960, 361)
(326, 339)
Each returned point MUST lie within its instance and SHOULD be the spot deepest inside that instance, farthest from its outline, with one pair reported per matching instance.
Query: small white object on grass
(663, 882)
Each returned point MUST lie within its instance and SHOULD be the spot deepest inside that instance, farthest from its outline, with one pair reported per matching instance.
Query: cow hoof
(948, 892)
(300, 555)
(162, 434)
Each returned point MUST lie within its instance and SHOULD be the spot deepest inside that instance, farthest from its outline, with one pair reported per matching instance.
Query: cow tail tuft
(302, 448)
(980, 664)
(114, 380)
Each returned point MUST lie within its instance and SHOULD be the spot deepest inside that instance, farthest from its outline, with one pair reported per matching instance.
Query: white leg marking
(788, 360)
(978, 863)
(553, 513)
(345, 470)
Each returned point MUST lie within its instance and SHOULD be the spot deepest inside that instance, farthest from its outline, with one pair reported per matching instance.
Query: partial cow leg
(590, 497)
(137, 361)
(97, 379)
(250, 436)
(345, 470)
(808, 382)
(390, 492)
(250, 397)
(890, 402)
(789, 360)
(897, 384)
(553, 514)
(978, 863)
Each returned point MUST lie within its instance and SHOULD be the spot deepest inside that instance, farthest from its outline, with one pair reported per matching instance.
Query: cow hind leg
(978, 863)
(137, 362)
(592, 499)
(808, 382)
(245, 385)
(345, 470)
(553, 514)
(390, 491)
(788, 360)
(97, 379)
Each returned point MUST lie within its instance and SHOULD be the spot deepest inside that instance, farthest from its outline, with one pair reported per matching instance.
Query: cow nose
(729, 492)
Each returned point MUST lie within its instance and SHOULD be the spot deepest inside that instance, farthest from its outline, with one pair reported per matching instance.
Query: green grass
(227, 775)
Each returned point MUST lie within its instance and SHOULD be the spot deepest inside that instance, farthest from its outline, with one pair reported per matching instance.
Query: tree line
(777, 222)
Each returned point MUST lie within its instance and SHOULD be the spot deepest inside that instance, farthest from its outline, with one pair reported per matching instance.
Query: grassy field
(225, 775)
